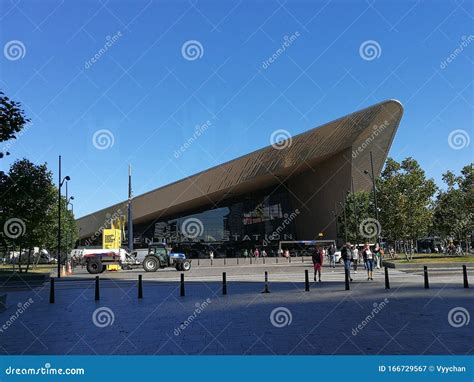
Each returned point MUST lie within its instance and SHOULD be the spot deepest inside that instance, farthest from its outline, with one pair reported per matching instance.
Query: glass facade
(254, 220)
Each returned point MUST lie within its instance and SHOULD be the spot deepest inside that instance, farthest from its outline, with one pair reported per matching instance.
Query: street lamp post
(68, 202)
(60, 184)
(374, 189)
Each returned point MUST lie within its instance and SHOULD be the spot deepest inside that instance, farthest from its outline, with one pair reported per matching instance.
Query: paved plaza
(368, 319)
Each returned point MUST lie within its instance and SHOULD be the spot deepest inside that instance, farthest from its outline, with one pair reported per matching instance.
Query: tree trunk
(19, 261)
(28, 261)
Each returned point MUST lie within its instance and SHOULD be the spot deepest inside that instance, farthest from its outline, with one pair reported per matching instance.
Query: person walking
(346, 256)
(369, 260)
(317, 257)
(378, 255)
(355, 257)
(332, 256)
(264, 253)
(256, 253)
(211, 255)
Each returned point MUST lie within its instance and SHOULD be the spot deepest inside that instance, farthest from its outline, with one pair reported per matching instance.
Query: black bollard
(97, 292)
(425, 271)
(302, 259)
(289, 259)
(51, 291)
(250, 261)
(266, 290)
(224, 283)
(464, 273)
(277, 260)
(198, 261)
(224, 261)
(387, 281)
(306, 280)
(264, 260)
(181, 289)
(346, 272)
(140, 287)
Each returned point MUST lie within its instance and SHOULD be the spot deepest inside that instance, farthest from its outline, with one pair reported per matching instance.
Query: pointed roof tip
(395, 102)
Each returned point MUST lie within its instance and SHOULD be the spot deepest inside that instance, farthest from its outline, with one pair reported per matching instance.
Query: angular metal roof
(370, 129)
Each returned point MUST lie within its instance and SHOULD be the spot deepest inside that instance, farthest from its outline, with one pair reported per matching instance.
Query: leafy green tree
(12, 118)
(29, 210)
(69, 233)
(405, 198)
(453, 215)
(358, 206)
(26, 200)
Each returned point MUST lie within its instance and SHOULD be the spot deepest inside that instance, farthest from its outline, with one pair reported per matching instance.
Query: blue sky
(150, 96)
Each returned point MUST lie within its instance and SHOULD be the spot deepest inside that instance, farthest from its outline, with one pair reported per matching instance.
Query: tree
(405, 199)
(358, 207)
(69, 233)
(12, 118)
(453, 215)
(29, 209)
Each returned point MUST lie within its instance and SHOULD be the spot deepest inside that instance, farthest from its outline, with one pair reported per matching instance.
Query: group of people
(255, 253)
(350, 255)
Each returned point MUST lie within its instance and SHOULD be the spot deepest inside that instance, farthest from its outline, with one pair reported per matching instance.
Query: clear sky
(142, 96)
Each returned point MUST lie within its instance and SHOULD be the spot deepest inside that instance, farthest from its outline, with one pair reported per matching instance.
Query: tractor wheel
(94, 266)
(104, 268)
(151, 264)
(186, 266)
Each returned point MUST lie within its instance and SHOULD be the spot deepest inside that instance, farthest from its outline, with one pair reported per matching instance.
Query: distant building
(281, 192)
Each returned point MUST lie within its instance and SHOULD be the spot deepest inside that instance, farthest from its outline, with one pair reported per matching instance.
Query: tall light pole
(130, 217)
(60, 184)
(68, 201)
(354, 202)
(374, 190)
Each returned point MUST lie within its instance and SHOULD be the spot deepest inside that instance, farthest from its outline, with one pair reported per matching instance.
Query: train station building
(286, 191)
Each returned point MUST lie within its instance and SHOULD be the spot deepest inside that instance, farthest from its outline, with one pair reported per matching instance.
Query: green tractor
(160, 256)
